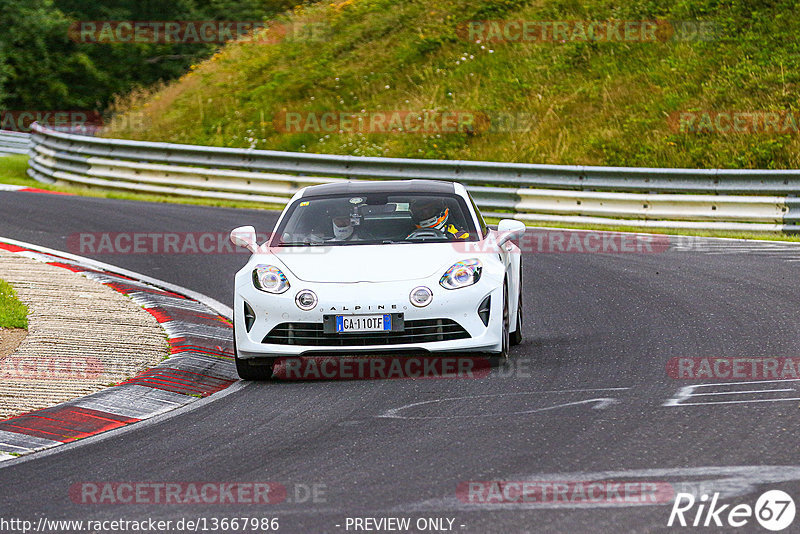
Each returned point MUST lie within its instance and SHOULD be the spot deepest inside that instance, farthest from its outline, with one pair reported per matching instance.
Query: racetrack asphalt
(585, 397)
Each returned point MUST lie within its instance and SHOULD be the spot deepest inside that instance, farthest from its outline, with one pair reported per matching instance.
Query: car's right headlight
(270, 279)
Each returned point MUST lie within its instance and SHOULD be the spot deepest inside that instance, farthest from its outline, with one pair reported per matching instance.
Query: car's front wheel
(252, 369)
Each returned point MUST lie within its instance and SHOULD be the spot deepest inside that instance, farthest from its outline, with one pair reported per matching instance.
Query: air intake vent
(312, 334)
(249, 317)
(484, 309)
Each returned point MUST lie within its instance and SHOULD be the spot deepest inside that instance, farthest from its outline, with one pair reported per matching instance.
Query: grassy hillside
(580, 102)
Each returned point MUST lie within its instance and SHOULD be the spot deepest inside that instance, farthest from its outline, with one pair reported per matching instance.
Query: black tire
(502, 356)
(260, 369)
(252, 369)
(516, 336)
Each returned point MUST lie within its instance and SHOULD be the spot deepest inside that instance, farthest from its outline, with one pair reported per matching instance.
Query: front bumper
(459, 305)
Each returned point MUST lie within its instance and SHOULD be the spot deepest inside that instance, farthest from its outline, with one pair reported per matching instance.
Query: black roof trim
(383, 186)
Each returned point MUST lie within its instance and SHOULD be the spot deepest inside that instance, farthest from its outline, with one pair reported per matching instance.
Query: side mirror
(509, 229)
(245, 236)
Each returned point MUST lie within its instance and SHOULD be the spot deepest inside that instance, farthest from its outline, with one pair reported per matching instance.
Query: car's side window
(481, 222)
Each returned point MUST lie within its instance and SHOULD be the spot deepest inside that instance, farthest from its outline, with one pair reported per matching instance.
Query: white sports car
(377, 267)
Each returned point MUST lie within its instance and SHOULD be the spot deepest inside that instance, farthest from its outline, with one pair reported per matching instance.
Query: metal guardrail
(748, 200)
(14, 142)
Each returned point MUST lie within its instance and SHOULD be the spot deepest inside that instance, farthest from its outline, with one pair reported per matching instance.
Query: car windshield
(376, 219)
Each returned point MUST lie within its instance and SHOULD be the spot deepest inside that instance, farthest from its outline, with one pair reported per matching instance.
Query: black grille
(312, 334)
(249, 317)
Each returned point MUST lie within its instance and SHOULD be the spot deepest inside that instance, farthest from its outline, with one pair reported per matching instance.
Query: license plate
(363, 323)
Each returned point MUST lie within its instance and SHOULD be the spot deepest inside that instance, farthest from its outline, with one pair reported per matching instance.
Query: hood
(368, 263)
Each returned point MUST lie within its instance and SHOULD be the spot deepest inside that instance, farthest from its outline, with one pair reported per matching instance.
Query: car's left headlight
(462, 274)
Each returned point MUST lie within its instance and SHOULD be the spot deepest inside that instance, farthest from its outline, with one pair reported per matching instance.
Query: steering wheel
(427, 232)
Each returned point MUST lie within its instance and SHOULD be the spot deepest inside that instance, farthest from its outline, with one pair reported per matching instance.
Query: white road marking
(603, 402)
(738, 392)
(687, 392)
(737, 401)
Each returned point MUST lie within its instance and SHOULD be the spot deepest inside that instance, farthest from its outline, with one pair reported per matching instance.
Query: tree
(42, 68)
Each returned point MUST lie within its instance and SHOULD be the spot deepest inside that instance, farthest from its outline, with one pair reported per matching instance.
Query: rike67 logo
(774, 510)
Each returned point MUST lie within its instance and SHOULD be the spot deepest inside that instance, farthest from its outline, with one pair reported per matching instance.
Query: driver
(432, 213)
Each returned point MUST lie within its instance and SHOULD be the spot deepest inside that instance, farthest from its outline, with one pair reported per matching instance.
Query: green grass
(603, 103)
(13, 313)
(12, 171)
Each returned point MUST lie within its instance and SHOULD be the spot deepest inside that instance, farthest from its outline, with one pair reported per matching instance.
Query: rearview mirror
(245, 236)
(509, 229)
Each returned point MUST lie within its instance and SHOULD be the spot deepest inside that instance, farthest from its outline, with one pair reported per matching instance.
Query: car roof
(384, 186)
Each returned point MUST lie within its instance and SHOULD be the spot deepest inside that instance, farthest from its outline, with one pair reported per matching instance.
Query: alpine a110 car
(385, 267)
